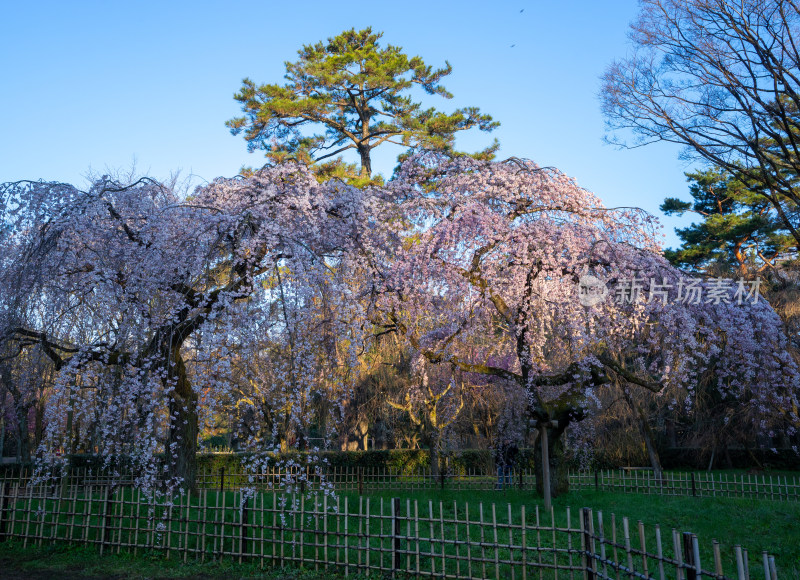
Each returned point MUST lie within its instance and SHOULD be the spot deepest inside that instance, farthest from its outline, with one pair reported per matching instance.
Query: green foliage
(405, 461)
(683, 458)
(739, 229)
(356, 95)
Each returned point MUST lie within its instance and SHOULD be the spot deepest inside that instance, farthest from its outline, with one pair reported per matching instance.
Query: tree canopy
(722, 78)
(267, 293)
(738, 230)
(350, 93)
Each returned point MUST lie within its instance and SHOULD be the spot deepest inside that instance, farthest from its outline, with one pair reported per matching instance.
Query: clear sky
(96, 85)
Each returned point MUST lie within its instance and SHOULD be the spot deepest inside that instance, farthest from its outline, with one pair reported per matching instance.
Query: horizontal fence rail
(411, 537)
(369, 479)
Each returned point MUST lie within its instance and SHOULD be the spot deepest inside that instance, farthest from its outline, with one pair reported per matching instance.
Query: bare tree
(721, 77)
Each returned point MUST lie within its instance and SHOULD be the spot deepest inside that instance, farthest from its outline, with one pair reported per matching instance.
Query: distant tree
(739, 229)
(722, 78)
(356, 95)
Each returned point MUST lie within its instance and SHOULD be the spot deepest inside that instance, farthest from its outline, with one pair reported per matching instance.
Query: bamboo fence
(376, 536)
(364, 480)
(697, 484)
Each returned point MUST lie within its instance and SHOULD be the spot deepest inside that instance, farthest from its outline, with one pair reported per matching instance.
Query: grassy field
(755, 524)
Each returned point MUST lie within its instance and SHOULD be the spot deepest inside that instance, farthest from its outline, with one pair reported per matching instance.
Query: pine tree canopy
(739, 226)
(350, 93)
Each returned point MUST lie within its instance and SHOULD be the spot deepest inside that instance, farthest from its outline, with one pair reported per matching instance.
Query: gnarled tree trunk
(646, 433)
(559, 472)
(181, 452)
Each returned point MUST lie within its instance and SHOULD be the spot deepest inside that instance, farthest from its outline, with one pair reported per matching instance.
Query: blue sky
(96, 85)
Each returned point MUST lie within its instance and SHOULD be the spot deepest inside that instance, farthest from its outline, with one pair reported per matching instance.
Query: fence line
(368, 479)
(458, 540)
(697, 484)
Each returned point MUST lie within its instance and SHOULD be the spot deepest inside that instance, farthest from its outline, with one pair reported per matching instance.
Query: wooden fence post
(596, 481)
(360, 481)
(545, 467)
(3, 508)
(688, 556)
(740, 571)
(104, 531)
(395, 535)
(243, 529)
(588, 544)
(694, 488)
(222, 479)
(441, 478)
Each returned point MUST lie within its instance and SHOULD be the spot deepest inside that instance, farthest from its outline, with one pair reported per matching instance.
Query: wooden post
(104, 532)
(3, 508)
(262, 524)
(660, 553)
(717, 559)
(204, 525)
(588, 542)
(396, 535)
(740, 574)
(222, 479)
(360, 481)
(773, 570)
(545, 467)
(694, 488)
(524, 545)
(494, 541)
(601, 535)
(643, 548)
(596, 481)
(243, 529)
(346, 540)
(688, 556)
(746, 565)
(626, 532)
(325, 530)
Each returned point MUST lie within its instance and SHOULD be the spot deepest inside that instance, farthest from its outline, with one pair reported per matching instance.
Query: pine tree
(353, 94)
(739, 229)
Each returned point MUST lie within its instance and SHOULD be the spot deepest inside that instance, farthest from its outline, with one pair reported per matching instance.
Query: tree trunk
(366, 162)
(3, 425)
(652, 453)
(24, 447)
(38, 425)
(433, 452)
(559, 473)
(182, 443)
(71, 440)
(647, 434)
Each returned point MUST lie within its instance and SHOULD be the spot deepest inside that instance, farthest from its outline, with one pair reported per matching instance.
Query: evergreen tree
(739, 228)
(352, 94)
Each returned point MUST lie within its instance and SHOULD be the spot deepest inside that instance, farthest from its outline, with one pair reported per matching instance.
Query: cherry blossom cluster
(260, 295)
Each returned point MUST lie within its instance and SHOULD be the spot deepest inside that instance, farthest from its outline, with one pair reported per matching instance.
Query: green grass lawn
(755, 524)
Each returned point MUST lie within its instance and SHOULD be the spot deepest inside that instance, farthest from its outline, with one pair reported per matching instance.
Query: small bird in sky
(521, 11)
(513, 45)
